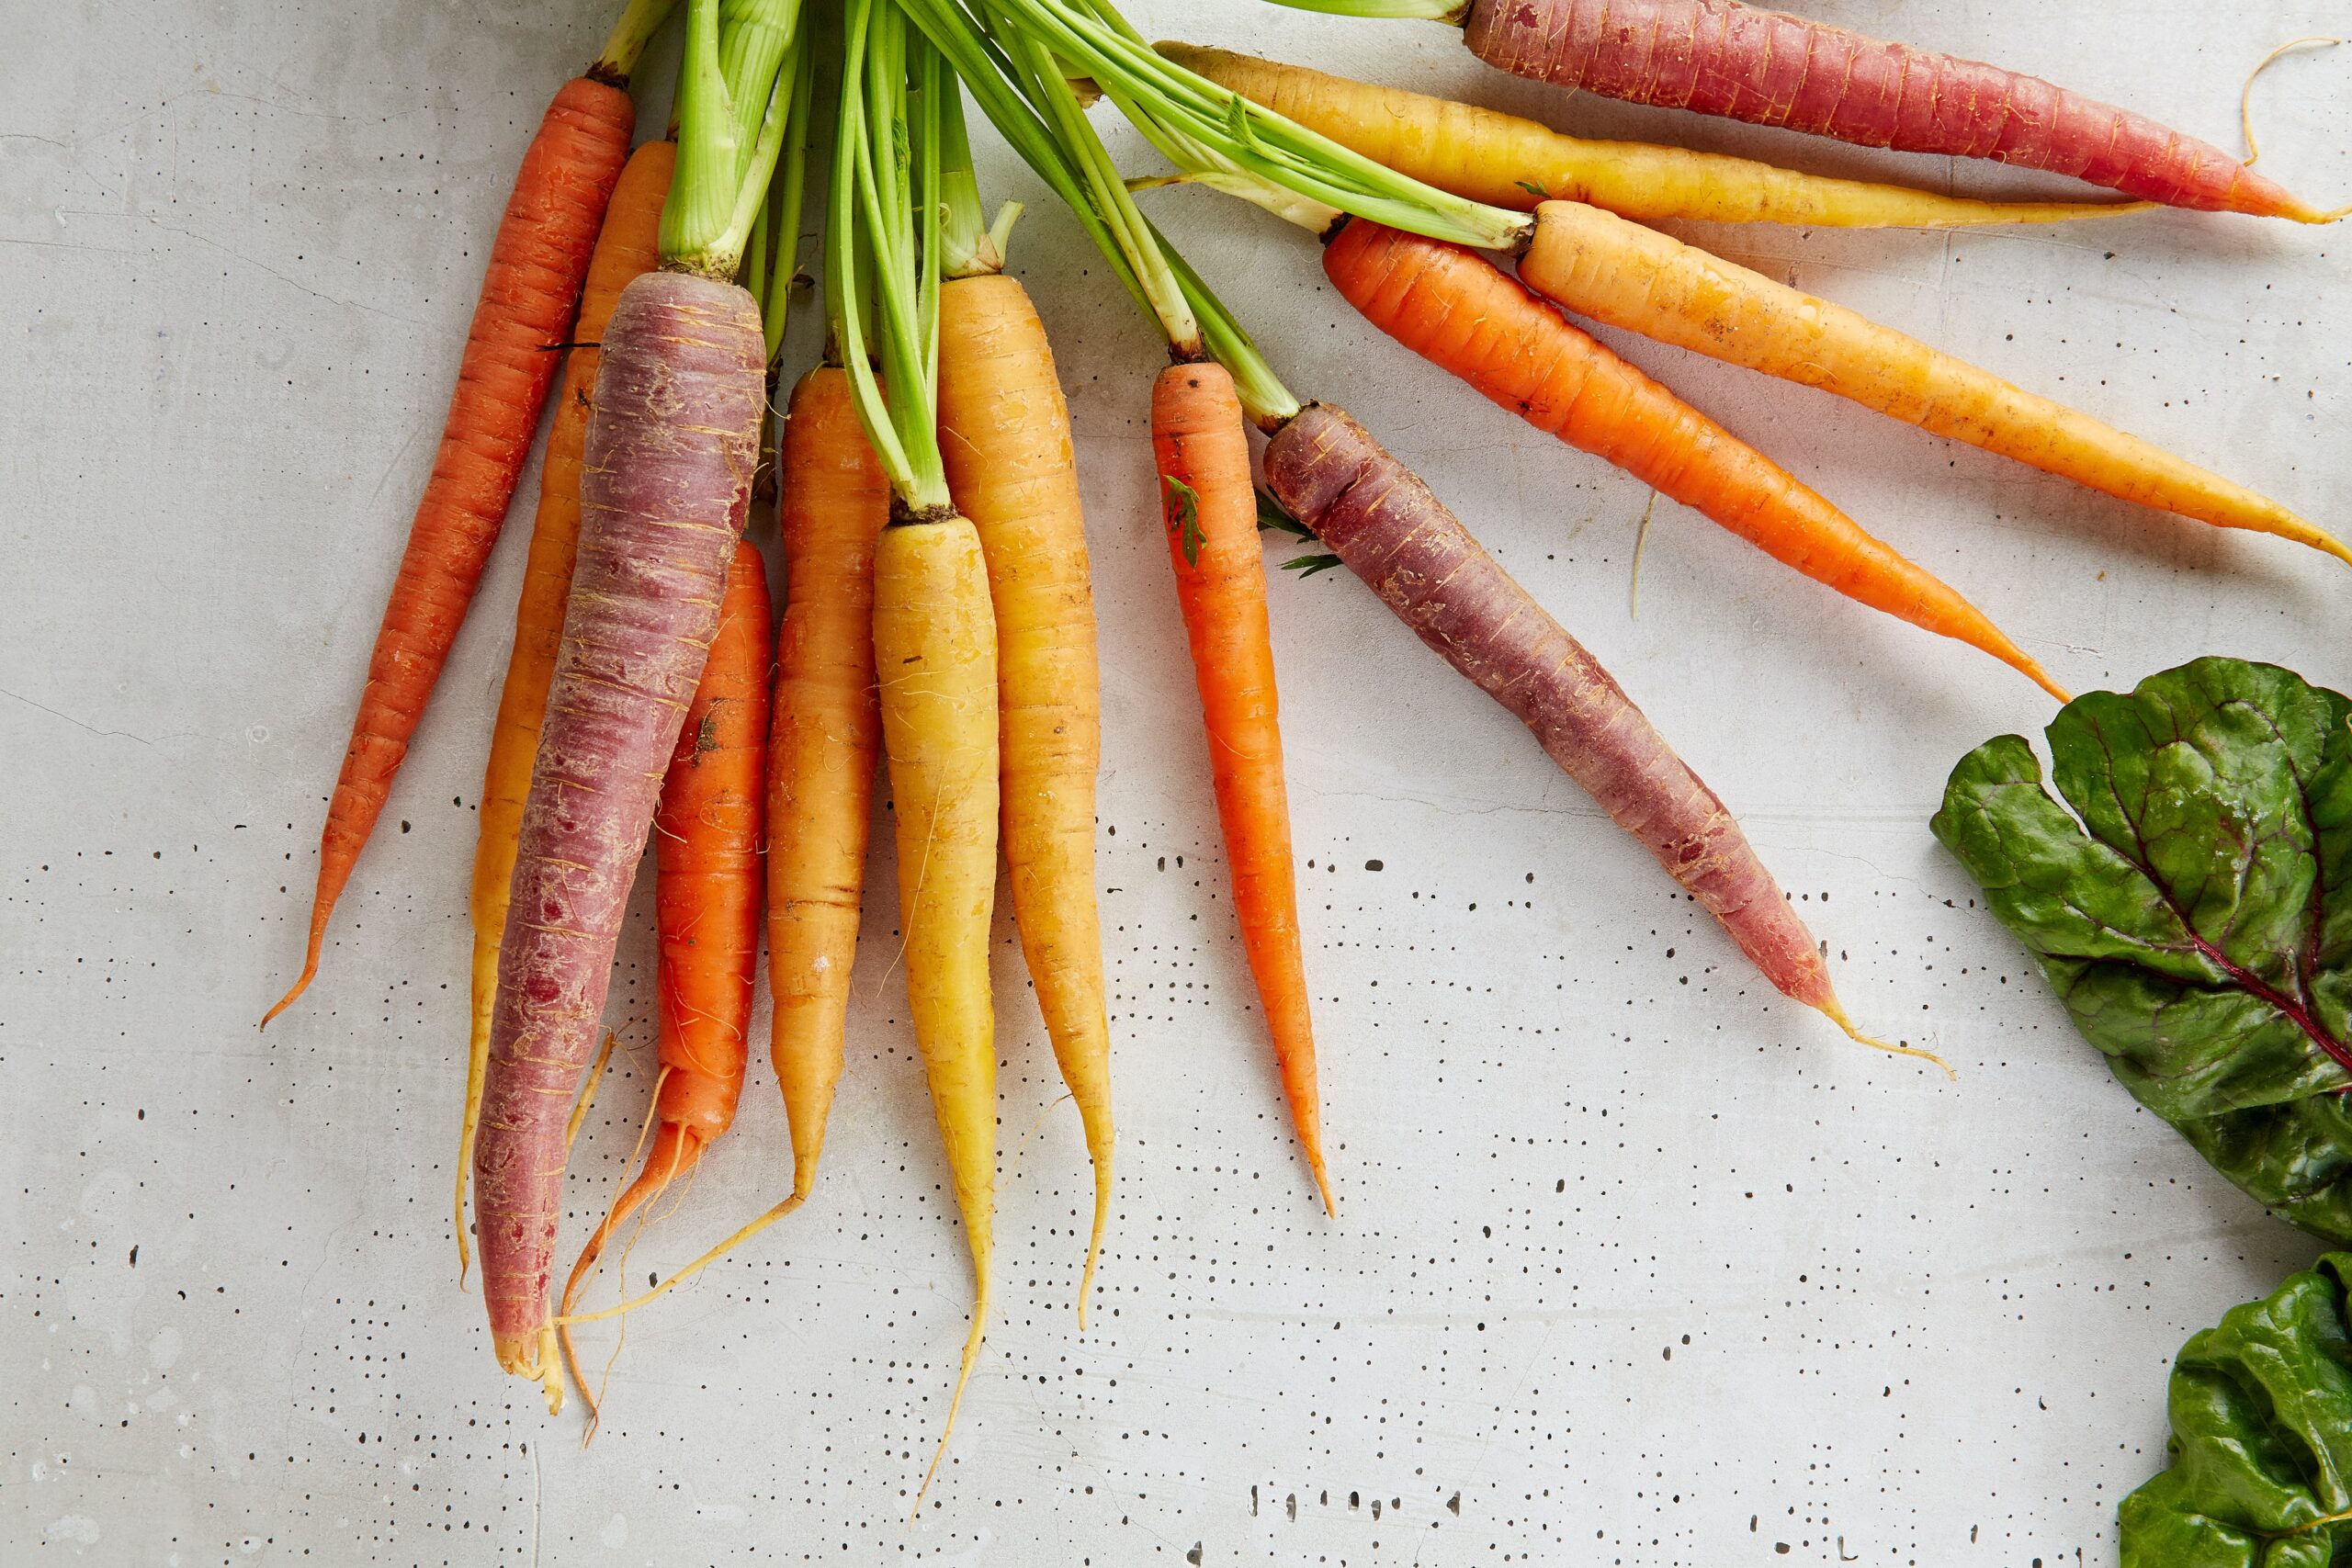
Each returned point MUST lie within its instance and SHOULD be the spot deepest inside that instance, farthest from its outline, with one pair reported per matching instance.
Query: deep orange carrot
(537, 264)
(708, 839)
(624, 249)
(1202, 451)
(1459, 311)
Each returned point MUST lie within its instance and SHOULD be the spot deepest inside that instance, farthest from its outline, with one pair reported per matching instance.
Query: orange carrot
(1459, 311)
(707, 837)
(1212, 515)
(625, 249)
(537, 264)
(827, 738)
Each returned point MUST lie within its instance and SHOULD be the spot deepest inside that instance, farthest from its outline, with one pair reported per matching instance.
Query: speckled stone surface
(1635, 1262)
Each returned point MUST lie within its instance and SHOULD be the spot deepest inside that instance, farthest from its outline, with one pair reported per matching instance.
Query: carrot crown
(721, 182)
(1224, 140)
(882, 245)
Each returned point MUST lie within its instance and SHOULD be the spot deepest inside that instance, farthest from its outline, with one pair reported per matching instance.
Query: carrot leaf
(1188, 515)
(2191, 904)
(1272, 514)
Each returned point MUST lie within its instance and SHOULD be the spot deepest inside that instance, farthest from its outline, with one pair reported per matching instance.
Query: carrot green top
(1454, 11)
(1226, 141)
(882, 245)
(628, 41)
(1024, 91)
(730, 131)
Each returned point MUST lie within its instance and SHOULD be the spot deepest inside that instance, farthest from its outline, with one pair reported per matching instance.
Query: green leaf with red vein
(2194, 909)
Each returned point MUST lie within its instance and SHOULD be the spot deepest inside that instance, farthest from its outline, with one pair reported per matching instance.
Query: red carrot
(664, 488)
(1383, 523)
(1723, 57)
(537, 264)
(665, 482)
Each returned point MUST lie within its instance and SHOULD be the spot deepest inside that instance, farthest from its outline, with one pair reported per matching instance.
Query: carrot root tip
(1836, 1013)
(310, 973)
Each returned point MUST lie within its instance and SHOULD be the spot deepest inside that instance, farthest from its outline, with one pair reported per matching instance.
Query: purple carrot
(1721, 57)
(667, 478)
(1380, 519)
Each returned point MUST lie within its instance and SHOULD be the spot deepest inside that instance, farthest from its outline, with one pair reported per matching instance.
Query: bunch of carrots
(937, 618)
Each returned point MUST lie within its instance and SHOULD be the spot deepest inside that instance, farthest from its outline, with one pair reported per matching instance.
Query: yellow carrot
(935, 659)
(1509, 162)
(1598, 265)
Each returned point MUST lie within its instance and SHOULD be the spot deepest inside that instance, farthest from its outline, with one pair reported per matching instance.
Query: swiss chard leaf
(2195, 910)
(2261, 1449)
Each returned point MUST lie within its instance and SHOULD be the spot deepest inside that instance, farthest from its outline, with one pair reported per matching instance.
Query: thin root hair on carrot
(1836, 1013)
(2245, 107)
(741, 1236)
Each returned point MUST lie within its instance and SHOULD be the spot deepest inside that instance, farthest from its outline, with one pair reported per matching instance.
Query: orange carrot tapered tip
(530, 289)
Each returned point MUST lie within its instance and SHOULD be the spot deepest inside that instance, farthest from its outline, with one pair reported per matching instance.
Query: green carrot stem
(790, 187)
(871, 215)
(1452, 11)
(1042, 82)
(1250, 137)
(753, 37)
(627, 40)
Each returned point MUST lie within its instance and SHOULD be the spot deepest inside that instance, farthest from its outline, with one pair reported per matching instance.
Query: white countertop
(1636, 1263)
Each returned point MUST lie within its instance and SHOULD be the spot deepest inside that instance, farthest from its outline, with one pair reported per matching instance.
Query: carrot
(822, 752)
(1005, 437)
(1500, 158)
(1383, 523)
(1461, 311)
(1598, 265)
(537, 264)
(665, 483)
(934, 631)
(624, 250)
(1203, 452)
(706, 845)
(1723, 57)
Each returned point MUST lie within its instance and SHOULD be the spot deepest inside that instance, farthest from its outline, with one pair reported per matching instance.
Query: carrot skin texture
(1459, 311)
(1005, 440)
(935, 656)
(530, 290)
(628, 245)
(1198, 440)
(1721, 57)
(672, 447)
(826, 740)
(1379, 518)
(1598, 264)
(1505, 161)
